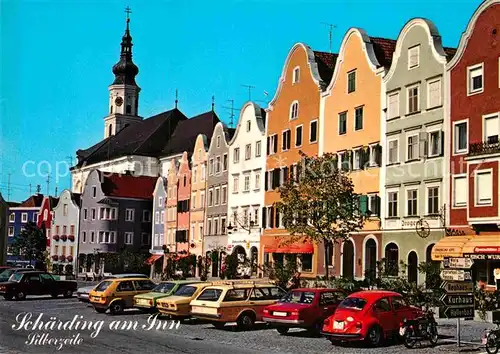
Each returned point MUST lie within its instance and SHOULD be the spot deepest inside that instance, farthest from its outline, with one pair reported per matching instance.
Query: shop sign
(456, 274)
(457, 263)
(487, 249)
(482, 256)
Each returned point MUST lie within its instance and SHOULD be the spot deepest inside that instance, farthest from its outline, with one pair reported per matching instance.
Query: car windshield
(16, 277)
(352, 303)
(163, 288)
(6, 273)
(103, 285)
(186, 290)
(298, 297)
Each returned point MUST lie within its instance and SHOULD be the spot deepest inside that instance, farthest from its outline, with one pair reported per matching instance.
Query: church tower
(123, 92)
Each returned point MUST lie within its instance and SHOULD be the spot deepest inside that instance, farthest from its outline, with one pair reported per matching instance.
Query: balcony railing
(484, 148)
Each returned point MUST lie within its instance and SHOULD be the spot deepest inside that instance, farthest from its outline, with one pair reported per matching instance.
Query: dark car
(6, 273)
(28, 282)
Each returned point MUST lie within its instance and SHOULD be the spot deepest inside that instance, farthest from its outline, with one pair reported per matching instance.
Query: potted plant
(64, 237)
(56, 237)
(69, 258)
(62, 258)
(55, 257)
(71, 238)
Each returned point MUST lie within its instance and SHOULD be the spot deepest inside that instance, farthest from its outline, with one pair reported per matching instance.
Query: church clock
(118, 101)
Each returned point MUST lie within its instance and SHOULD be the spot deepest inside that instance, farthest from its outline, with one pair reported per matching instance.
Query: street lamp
(241, 225)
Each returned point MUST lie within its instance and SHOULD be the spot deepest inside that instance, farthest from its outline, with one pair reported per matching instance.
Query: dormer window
(296, 75)
(249, 125)
(218, 141)
(413, 57)
(475, 79)
(294, 110)
(351, 81)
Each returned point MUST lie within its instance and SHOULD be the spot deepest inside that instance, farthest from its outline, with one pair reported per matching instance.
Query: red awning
(305, 247)
(153, 258)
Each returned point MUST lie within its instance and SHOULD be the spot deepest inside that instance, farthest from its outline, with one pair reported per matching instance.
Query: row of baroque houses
(415, 123)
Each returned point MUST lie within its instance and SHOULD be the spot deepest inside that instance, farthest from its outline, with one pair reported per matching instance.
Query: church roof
(147, 138)
(186, 132)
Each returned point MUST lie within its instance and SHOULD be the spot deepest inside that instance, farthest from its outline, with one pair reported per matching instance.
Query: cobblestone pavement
(190, 337)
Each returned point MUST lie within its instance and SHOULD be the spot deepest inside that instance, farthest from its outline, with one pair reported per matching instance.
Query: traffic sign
(459, 312)
(456, 274)
(458, 263)
(458, 287)
(457, 299)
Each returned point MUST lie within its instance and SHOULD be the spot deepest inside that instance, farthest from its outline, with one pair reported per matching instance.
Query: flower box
(62, 258)
(56, 237)
(71, 238)
(69, 258)
(64, 237)
(55, 257)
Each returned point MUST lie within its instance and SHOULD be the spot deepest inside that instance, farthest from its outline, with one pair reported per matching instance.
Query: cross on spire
(128, 11)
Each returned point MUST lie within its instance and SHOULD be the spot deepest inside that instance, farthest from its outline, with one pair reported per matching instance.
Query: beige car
(178, 305)
(242, 302)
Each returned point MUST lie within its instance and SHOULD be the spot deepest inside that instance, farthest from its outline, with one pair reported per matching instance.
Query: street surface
(189, 337)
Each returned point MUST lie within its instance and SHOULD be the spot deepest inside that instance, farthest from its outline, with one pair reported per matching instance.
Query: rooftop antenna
(55, 195)
(231, 118)
(30, 188)
(213, 103)
(250, 87)
(8, 187)
(38, 189)
(48, 184)
(330, 33)
(176, 97)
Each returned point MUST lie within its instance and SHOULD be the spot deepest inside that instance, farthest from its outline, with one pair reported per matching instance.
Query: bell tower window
(110, 130)
(111, 109)
(129, 109)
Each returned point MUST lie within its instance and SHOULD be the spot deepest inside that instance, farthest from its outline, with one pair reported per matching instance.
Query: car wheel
(335, 342)
(54, 295)
(116, 308)
(99, 310)
(492, 343)
(282, 330)
(218, 325)
(8, 296)
(315, 330)
(20, 295)
(374, 336)
(245, 321)
(68, 293)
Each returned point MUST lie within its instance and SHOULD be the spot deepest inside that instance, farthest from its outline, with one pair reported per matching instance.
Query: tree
(318, 203)
(30, 243)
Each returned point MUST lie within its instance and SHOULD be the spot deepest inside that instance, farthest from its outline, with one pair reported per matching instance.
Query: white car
(83, 293)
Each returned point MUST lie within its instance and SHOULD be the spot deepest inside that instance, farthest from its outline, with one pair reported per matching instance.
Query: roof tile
(128, 186)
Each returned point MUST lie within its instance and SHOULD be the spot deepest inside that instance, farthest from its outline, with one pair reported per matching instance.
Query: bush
(280, 273)
(55, 269)
(485, 301)
(68, 269)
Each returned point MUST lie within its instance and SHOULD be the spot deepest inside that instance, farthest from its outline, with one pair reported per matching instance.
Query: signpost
(458, 299)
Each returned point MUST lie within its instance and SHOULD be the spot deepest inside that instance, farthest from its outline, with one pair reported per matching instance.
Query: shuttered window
(393, 105)
(460, 191)
(434, 94)
(484, 187)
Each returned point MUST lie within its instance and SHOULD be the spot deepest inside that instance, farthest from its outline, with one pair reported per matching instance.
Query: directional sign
(456, 274)
(458, 263)
(459, 312)
(457, 299)
(457, 287)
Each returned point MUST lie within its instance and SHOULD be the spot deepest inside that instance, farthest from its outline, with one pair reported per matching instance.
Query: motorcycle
(419, 329)
(491, 340)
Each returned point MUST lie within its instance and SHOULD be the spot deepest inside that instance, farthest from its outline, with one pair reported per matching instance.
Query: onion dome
(125, 70)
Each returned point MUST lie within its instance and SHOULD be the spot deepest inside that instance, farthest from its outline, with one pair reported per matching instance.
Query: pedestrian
(294, 282)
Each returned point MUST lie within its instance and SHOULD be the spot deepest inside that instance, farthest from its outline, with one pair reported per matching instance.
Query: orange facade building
(293, 126)
(351, 128)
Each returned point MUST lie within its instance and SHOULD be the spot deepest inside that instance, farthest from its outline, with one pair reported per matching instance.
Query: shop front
(215, 247)
(247, 248)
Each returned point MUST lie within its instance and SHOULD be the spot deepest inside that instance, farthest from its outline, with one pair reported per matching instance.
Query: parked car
(29, 282)
(83, 292)
(242, 302)
(148, 301)
(178, 305)
(369, 316)
(7, 272)
(303, 308)
(118, 294)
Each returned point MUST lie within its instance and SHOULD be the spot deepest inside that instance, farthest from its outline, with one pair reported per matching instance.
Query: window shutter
(351, 156)
(277, 217)
(289, 139)
(271, 221)
(363, 204)
(422, 140)
(441, 144)
(268, 145)
(275, 143)
(378, 155)
(286, 174)
(264, 217)
(266, 182)
(377, 205)
(276, 178)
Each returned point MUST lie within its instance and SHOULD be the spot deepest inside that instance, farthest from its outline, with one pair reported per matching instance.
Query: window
(160, 201)
(393, 152)
(224, 162)
(248, 151)
(218, 141)
(216, 226)
(357, 159)
(491, 129)
(296, 75)
(209, 226)
(246, 187)
(434, 93)
(432, 200)
(93, 212)
(358, 124)
(460, 191)
(202, 197)
(393, 105)
(129, 215)
(460, 137)
(145, 239)
(210, 197)
(413, 99)
(435, 143)
(223, 226)
(203, 172)
(411, 202)
(195, 174)
(94, 191)
(413, 57)
(475, 79)
(236, 155)
(146, 216)
(211, 167)
(374, 204)
(351, 81)
(392, 198)
(484, 187)
(382, 305)
(412, 151)
(11, 230)
(200, 235)
(294, 110)
(285, 142)
(12, 217)
(162, 219)
(313, 132)
(258, 149)
(193, 201)
(24, 217)
(92, 237)
(217, 164)
(272, 144)
(249, 125)
(236, 182)
(342, 123)
(298, 135)
(84, 237)
(217, 196)
(35, 217)
(224, 194)
(257, 181)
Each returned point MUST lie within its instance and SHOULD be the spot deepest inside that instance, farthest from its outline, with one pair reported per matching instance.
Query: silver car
(83, 292)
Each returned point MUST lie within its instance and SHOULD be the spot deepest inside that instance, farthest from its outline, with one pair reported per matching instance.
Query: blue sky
(56, 59)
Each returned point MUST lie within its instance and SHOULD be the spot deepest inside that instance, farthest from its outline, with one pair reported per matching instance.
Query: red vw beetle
(368, 315)
(303, 308)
